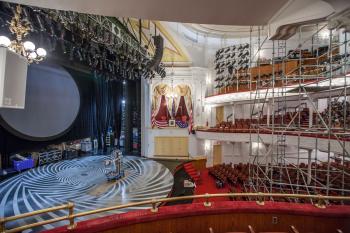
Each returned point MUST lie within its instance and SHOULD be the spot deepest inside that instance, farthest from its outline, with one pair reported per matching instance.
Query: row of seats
(293, 118)
(339, 113)
(237, 176)
(226, 173)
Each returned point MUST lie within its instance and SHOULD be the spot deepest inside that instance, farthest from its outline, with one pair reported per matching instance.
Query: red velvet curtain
(163, 112)
(182, 110)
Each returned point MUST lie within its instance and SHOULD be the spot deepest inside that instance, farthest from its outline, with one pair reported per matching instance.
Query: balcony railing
(320, 202)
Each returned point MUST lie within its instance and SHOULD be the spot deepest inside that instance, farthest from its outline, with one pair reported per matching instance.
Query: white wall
(176, 132)
(194, 77)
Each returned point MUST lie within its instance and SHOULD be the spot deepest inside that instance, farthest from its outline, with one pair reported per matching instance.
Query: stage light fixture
(4, 41)
(26, 49)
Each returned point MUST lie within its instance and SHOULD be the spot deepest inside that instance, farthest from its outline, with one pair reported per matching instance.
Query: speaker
(13, 78)
(158, 55)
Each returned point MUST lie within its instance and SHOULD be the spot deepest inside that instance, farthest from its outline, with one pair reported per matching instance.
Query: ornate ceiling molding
(173, 51)
(225, 31)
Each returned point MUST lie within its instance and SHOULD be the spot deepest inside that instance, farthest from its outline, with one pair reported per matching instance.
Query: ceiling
(227, 31)
(223, 12)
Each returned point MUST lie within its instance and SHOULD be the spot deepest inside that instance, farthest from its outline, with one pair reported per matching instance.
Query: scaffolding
(286, 114)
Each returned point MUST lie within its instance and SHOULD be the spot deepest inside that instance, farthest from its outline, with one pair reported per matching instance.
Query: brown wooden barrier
(222, 217)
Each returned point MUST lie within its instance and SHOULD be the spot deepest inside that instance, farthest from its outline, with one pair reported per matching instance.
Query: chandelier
(20, 29)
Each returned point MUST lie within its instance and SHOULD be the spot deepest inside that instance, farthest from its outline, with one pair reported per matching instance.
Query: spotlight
(123, 101)
(79, 55)
(4, 41)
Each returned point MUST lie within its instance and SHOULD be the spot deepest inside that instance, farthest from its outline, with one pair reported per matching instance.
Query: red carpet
(208, 186)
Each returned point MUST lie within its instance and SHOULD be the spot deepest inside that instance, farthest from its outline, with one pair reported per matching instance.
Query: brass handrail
(71, 216)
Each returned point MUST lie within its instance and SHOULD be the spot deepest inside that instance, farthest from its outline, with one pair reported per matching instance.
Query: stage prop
(52, 105)
(22, 163)
(171, 104)
(114, 166)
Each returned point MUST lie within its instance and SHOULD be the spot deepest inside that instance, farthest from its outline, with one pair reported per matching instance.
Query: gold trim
(153, 202)
(169, 55)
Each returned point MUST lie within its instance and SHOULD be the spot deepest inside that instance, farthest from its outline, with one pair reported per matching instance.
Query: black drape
(133, 117)
(108, 105)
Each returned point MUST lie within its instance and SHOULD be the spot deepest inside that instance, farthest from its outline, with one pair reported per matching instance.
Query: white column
(213, 116)
(311, 113)
(341, 41)
(233, 113)
(145, 115)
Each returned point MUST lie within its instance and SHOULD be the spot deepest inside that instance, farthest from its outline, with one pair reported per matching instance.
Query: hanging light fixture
(20, 29)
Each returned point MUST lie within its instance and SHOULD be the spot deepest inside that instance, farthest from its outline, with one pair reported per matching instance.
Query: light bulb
(4, 41)
(29, 46)
(32, 55)
(41, 52)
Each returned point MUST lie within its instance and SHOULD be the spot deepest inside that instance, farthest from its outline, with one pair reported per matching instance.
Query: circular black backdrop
(51, 106)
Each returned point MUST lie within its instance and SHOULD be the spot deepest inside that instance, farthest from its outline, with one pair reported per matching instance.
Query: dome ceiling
(226, 31)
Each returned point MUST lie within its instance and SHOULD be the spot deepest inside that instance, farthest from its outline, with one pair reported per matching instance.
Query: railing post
(207, 203)
(260, 200)
(320, 203)
(72, 224)
(154, 208)
(2, 225)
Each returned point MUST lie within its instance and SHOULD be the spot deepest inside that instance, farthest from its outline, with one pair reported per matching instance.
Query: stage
(83, 182)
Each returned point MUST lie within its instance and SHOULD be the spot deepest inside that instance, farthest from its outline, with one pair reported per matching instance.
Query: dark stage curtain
(132, 114)
(100, 107)
(108, 105)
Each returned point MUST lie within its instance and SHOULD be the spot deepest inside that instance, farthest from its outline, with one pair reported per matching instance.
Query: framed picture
(172, 123)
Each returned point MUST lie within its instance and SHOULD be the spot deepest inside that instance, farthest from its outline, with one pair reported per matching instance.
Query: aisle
(208, 186)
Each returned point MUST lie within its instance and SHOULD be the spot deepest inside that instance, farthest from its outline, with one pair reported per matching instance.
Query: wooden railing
(260, 200)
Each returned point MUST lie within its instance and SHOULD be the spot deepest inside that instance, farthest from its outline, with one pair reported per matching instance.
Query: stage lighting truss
(99, 41)
(107, 32)
(20, 28)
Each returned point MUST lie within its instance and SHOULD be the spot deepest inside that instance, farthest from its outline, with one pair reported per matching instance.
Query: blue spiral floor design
(83, 182)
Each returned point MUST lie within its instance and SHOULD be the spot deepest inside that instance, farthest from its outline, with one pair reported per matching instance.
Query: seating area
(339, 112)
(292, 119)
(236, 177)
